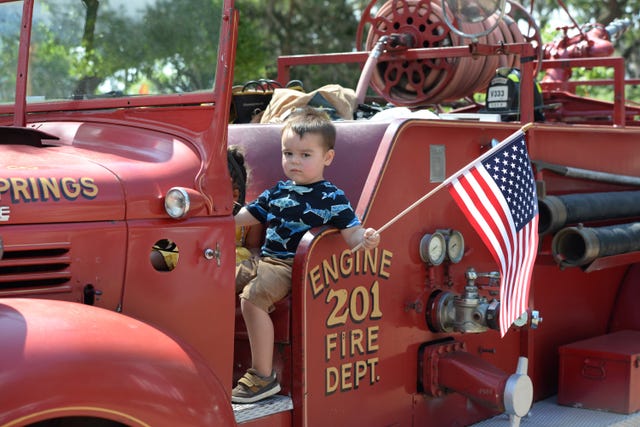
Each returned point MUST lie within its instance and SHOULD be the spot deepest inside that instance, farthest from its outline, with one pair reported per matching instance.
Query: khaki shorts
(264, 281)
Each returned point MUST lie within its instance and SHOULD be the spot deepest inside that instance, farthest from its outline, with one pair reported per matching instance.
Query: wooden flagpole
(444, 183)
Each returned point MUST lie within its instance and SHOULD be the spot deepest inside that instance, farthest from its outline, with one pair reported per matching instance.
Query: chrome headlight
(177, 202)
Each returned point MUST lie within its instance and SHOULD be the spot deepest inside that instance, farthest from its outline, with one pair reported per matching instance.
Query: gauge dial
(433, 248)
(455, 246)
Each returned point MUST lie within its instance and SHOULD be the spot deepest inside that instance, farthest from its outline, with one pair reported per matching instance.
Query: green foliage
(584, 12)
(106, 48)
(295, 27)
(170, 27)
(170, 46)
(302, 27)
(252, 53)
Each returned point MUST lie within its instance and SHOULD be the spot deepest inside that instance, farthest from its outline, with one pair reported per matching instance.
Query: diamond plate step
(272, 405)
(547, 413)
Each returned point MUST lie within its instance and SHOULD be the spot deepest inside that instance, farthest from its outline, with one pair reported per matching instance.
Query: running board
(548, 413)
(250, 411)
(542, 414)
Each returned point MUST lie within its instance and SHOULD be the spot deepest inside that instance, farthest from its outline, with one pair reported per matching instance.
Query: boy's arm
(354, 236)
(254, 238)
(244, 217)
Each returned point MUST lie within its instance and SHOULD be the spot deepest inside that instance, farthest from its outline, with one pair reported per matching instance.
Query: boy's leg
(270, 283)
(260, 331)
(259, 382)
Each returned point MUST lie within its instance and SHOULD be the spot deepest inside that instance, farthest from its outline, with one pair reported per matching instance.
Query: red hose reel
(433, 81)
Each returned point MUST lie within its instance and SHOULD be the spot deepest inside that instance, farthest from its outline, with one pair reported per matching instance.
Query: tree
(294, 27)
(298, 27)
(587, 12)
(180, 36)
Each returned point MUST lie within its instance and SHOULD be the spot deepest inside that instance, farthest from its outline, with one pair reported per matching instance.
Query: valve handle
(518, 393)
(473, 275)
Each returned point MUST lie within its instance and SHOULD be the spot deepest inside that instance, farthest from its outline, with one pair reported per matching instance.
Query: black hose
(577, 246)
(556, 211)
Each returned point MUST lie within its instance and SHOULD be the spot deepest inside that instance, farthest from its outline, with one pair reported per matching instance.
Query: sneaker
(253, 387)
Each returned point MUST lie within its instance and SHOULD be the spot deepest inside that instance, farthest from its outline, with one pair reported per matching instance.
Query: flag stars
(510, 169)
(514, 197)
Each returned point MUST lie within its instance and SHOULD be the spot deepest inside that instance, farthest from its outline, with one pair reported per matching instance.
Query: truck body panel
(105, 164)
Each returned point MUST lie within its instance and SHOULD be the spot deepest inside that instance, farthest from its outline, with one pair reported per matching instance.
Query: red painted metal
(618, 80)
(625, 314)
(473, 377)
(19, 118)
(81, 213)
(476, 50)
(114, 367)
(601, 373)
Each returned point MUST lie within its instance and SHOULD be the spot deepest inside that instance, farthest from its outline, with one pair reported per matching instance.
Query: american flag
(497, 194)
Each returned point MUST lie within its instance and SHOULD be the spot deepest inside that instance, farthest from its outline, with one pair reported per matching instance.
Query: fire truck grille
(34, 266)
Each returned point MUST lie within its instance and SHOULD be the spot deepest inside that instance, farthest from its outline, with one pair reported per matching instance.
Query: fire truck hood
(90, 172)
(46, 185)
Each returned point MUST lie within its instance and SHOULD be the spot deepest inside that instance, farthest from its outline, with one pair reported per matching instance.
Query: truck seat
(356, 146)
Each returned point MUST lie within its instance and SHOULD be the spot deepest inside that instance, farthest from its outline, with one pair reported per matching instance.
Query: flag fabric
(497, 194)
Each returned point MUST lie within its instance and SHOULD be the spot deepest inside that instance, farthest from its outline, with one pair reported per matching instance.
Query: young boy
(289, 209)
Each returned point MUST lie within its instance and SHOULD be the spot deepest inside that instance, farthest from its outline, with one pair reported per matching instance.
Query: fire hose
(578, 246)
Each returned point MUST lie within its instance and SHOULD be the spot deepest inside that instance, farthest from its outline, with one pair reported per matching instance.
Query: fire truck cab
(111, 150)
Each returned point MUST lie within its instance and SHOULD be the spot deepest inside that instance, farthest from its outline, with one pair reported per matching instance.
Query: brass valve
(466, 313)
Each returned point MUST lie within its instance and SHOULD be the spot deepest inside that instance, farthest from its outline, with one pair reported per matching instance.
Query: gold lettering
(385, 263)
(50, 189)
(349, 376)
(372, 339)
(314, 278)
(330, 270)
(361, 372)
(331, 377)
(339, 314)
(376, 313)
(4, 185)
(44, 189)
(356, 342)
(19, 187)
(330, 344)
(370, 259)
(346, 263)
(35, 189)
(70, 188)
(359, 294)
(90, 188)
(372, 364)
(346, 374)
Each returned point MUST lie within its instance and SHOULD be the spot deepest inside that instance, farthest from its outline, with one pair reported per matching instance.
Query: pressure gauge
(433, 248)
(455, 246)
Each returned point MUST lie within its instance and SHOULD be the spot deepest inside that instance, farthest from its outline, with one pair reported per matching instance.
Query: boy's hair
(312, 120)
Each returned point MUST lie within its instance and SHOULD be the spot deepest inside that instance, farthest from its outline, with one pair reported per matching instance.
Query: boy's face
(304, 159)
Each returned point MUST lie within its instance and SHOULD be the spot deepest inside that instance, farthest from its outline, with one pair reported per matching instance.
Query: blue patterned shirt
(289, 210)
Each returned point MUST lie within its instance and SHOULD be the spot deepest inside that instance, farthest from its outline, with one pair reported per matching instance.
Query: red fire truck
(111, 149)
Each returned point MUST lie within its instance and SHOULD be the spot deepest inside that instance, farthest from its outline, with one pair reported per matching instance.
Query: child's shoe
(253, 387)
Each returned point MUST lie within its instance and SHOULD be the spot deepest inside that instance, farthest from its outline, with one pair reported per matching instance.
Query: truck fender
(62, 359)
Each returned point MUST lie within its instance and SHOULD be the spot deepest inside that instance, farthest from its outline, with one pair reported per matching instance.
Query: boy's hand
(360, 238)
(370, 238)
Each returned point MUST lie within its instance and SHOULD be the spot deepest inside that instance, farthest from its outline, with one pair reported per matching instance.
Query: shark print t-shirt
(289, 210)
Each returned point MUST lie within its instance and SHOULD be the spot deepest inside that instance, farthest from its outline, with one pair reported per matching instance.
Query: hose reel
(432, 81)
